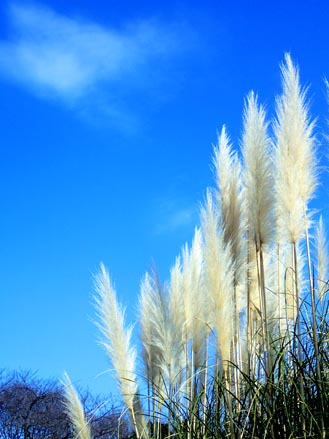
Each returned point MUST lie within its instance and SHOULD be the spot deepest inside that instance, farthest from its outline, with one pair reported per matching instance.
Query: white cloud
(57, 56)
(173, 216)
(180, 218)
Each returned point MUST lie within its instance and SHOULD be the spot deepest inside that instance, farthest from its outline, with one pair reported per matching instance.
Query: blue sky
(108, 114)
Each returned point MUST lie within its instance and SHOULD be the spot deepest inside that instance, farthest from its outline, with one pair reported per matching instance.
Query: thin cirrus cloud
(60, 57)
(173, 216)
(181, 218)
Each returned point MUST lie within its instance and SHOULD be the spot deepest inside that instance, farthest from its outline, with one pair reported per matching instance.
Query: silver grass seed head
(218, 278)
(150, 352)
(176, 297)
(198, 299)
(75, 411)
(164, 342)
(295, 158)
(230, 201)
(115, 337)
(258, 178)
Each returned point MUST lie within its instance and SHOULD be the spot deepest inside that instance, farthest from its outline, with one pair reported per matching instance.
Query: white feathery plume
(296, 163)
(228, 171)
(186, 290)
(75, 411)
(165, 343)
(176, 298)
(232, 223)
(322, 259)
(178, 320)
(195, 297)
(258, 177)
(218, 278)
(148, 308)
(116, 337)
(117, 342)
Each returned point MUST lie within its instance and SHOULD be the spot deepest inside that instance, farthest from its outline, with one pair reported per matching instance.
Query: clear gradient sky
(108, 114)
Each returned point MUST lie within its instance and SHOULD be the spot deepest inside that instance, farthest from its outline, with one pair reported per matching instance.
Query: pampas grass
(176, 300)
(234, 344)
(229, 200)
(162, 343)
(218, 280)
(149, 312)
(196, 299)
(75, 411)
(116, 340)
(258, 173)
(296, 163)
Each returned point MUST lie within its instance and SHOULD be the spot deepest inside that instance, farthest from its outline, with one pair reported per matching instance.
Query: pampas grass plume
(147, 309)
(196, 297)
(218, 278)
(296, 164)
(258, 177)
(116, 338)
(75, 411)
(176, 298)
(164, 341)
(228, 170)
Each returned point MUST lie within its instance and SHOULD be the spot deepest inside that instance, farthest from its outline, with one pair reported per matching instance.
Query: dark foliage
(31, 408)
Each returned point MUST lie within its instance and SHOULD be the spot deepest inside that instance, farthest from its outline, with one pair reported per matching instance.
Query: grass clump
(236, 344)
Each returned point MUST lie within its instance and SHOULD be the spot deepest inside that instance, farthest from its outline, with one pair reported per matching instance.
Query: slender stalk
(249, 332)
(298, 333)
(229, 402)
(205, 388)
(264, 324)
(314, 328)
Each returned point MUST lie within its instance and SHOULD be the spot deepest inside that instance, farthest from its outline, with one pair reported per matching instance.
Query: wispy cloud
(180, 218)
(173, 215)
(55, 56)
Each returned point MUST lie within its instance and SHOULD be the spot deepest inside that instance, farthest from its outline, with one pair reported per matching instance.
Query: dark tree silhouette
(31, 408)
